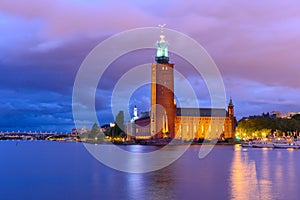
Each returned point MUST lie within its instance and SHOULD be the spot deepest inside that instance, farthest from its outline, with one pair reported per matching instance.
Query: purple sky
(255, 45)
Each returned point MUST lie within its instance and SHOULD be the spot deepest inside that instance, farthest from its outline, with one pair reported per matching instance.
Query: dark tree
(296, 117)
(119, 128)
(95, 129)
(250, 125)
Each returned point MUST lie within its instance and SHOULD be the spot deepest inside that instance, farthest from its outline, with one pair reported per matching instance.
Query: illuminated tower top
(162, 50)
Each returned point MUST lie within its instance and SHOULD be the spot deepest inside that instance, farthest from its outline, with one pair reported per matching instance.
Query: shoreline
(128, 144)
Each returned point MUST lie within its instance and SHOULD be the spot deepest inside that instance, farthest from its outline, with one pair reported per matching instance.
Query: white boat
(279, 143)
(263, 144)
(286, 145)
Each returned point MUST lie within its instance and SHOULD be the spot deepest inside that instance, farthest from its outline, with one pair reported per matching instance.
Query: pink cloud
(63, 18)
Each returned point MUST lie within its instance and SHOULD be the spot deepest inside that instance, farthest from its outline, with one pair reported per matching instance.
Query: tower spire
(230, 108)
(230, 102)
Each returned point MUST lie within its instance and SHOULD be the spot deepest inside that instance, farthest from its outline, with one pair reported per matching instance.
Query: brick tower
(232, 120)
(163, 110)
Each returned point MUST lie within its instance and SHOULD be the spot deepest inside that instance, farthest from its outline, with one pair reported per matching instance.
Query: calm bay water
(57, 170)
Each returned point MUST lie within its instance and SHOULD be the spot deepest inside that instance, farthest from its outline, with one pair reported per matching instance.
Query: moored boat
(286, 145)
(283, 143)
(263, 144)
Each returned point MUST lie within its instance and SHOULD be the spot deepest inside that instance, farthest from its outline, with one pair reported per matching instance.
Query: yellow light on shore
(112, 124)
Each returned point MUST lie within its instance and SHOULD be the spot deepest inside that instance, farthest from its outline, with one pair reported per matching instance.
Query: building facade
(165, 120)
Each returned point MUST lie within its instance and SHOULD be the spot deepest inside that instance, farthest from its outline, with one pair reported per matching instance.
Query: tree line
(258, 125)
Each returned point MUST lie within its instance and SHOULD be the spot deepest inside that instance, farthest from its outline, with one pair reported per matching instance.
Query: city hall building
(166, 120)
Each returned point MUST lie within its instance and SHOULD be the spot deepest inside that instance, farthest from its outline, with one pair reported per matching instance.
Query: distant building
(166, 120)
(289, 115)
(82, 130)
(274, 114)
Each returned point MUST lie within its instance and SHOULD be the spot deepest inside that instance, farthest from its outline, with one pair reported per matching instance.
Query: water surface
(57, 170)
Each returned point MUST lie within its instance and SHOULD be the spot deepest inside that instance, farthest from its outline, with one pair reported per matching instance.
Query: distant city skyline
(254, 44)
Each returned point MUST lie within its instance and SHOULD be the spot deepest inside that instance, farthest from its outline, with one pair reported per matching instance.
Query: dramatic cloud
(255, 44)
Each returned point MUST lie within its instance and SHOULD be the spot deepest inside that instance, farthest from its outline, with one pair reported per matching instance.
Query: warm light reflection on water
(243, 178)
(263, 174)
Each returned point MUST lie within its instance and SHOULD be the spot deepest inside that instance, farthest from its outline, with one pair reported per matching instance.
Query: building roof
(203, 112)
(143, 122)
